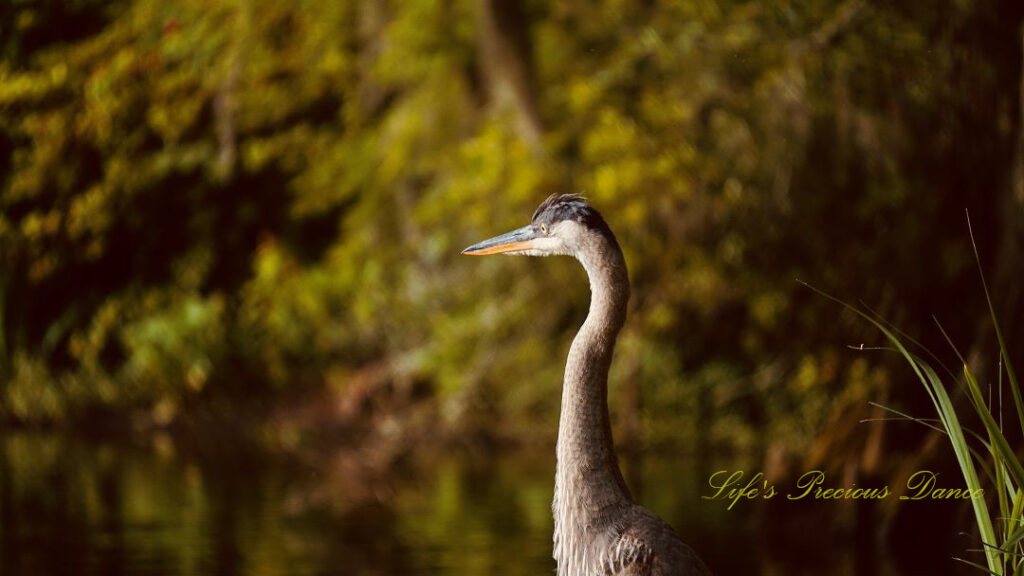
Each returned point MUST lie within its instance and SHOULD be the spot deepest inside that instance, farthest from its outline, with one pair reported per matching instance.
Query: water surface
(71, 506)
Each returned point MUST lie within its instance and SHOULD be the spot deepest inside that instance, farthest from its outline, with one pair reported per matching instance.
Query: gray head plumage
(561, 207)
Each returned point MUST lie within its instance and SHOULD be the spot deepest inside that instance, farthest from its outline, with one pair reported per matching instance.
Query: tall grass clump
(989, 456)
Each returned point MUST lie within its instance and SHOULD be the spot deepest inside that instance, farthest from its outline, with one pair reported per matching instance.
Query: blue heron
(599, 528)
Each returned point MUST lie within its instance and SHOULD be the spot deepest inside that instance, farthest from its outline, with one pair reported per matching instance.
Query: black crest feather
(560, 207)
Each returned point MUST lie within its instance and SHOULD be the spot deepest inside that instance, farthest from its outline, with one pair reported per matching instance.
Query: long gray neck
(589, 489)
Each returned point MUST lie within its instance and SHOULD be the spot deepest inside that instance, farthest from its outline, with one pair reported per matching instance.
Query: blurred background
(238, 336)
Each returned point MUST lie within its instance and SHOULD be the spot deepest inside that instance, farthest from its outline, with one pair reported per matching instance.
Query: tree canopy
(254, 201)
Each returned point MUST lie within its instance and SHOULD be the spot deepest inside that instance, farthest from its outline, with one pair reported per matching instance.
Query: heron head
(560, 225)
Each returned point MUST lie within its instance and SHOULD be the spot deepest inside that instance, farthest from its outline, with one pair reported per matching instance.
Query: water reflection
(83, 507)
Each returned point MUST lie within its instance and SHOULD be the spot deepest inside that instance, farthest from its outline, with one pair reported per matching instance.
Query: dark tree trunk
(1007, 287)
(506, 63)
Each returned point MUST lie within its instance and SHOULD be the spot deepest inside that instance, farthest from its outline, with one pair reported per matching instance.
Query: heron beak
(518, 240)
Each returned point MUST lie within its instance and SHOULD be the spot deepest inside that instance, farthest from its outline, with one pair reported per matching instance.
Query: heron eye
(544, 228)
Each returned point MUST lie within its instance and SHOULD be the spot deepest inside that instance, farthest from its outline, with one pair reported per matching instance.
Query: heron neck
(589, 487)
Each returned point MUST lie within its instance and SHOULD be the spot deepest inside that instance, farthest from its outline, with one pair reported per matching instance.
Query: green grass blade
(976, 565)
(956, 437)
(1014, 387)
(1014, 537)
(999, 442)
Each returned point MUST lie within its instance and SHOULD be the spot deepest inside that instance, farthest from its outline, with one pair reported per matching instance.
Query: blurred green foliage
(232, 199)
